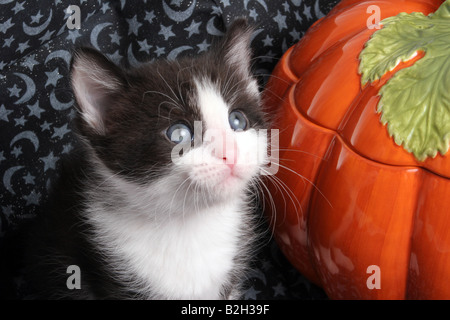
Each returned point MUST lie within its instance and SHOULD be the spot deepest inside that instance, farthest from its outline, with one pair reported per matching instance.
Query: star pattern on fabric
(23, 46)
(30, 62)
(61, 131)
(14, 91)
(115, 38)
(193, 28)
(16, 151)
(18, 7)
(32, 198)
(280, 20)
(144, 46)
(4, 113)
(149, 16)
(49, 161)
(35, 110)
(6, 25)
(133, 25)
(203, 46)
(8, 41)
(37, 17)
(29, 179)
(73, 35)
(53, 77)
(166, 32)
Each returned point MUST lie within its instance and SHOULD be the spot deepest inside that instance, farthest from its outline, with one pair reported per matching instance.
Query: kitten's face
(190, 127)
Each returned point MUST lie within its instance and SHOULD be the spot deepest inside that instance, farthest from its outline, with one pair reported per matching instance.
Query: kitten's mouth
(233, 177)
(220, 177)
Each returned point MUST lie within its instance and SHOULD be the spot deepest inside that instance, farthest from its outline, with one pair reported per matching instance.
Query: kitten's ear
(94, 79)
(236, 45)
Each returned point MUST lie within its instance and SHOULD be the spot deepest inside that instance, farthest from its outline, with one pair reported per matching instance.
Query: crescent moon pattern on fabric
(176, 15)
(131, 58)
(95, 33)
(255, 34)
(261, 2)
(30, 88)
(7, 177)
(175, 52)
(319, 14)
(36, 102)
(30, 135)
(58, 105)
(62, 54)
(211, 29)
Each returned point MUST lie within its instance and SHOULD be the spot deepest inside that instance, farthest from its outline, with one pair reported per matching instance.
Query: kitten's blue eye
(179, 132)
(237, 120)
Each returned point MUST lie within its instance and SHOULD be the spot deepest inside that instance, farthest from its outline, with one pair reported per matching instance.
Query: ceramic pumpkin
(363, 193)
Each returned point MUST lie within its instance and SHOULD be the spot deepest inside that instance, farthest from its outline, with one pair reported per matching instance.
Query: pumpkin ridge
(338, 135)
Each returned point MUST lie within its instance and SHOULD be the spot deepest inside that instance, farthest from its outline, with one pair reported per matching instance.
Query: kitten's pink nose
(230, 155)
(229, 163)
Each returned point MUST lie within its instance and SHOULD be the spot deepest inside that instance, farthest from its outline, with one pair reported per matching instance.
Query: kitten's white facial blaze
(226, 160)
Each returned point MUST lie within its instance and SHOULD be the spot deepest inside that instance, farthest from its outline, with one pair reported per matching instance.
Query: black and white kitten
(156, 203)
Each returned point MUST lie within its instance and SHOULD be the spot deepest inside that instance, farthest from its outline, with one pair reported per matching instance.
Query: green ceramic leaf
(415, 102)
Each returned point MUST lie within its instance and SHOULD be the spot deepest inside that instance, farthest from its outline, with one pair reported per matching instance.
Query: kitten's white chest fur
(188, 256)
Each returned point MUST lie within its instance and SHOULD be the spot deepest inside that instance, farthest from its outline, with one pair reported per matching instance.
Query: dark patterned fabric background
(36, 103)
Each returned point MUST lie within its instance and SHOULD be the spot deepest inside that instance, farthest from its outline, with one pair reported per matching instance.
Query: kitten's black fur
(131, 144)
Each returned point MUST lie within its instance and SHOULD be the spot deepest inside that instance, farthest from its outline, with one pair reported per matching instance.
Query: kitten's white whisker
(265, 56)
(281, 99)
(175, 193)
(299, 151)
(284, 189)
(176, 103)
(304, 179)
(275, 77)
(168, 86)
(227, 89)
(198, 198)
(259, 181)
(178, 81)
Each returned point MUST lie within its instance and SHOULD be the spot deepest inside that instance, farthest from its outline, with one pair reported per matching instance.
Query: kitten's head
(186, 126)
